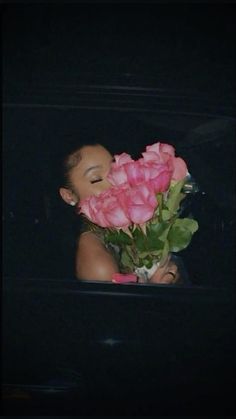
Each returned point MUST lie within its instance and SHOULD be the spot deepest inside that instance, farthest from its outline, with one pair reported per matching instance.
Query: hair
(59, 161)
(69, 162)
(63, 221)
(68, 159)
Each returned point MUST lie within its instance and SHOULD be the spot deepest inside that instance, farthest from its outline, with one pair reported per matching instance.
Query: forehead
(91, 156)
(96, 152)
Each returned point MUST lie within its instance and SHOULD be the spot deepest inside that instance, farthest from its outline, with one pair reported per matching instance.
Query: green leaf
(140, 240)
(160, 204)
(157, 234)
(148, 262)
(112, 237)
(125, 238)
(157, 228)
(154, 243)
(156, 252)
(187, 223)
(166, 250)
(126, 261)
(179, 239)
(144, 254)
(133, 253)
(166, 215)
(118, 237)
(175, 196)
(181, 233)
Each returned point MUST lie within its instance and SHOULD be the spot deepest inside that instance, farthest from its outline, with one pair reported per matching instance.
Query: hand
(166, 273)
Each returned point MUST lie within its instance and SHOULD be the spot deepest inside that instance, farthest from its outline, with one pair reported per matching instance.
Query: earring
(72, 203)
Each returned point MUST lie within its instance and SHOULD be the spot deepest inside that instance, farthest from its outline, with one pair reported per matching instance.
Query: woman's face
(88, 177)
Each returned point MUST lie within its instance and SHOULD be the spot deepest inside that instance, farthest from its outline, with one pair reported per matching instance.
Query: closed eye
(96, 181)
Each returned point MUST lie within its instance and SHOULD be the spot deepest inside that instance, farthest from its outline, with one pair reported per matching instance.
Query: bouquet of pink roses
(140, 213)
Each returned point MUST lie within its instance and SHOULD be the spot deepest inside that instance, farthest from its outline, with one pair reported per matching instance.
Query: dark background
(128, 75)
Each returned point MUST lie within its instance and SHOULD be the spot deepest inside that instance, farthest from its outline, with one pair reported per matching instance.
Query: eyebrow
(98, 166)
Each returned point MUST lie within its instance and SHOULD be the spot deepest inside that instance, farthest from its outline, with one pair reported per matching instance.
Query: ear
(68, 196)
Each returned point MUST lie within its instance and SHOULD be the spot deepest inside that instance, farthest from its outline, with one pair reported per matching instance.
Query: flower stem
(160, 204)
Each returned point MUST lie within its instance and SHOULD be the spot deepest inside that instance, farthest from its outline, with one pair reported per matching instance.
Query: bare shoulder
(93, 260)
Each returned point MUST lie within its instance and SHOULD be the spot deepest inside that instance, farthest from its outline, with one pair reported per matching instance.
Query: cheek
(80, 190)
(84, 191)
(88, 189)
(100, 187)
(95, 189)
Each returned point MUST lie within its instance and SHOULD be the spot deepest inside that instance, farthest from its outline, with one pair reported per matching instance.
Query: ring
(172, 273)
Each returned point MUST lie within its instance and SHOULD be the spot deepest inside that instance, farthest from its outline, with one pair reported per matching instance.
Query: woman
(85, 173)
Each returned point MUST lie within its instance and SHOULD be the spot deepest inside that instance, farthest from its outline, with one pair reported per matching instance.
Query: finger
(171, 275)
(169, 279)
(162, 274)
(171, 267)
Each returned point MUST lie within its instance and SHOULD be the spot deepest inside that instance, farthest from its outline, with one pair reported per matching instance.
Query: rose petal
(180, 169)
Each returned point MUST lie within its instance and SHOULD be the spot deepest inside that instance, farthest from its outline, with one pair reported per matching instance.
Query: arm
(93, 260)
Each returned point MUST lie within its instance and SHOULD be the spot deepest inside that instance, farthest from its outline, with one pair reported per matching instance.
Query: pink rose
(159, 148)
(180, 169)
(159, 152)
(161, 182)
(117, 175)
(125, 170)
(92, 208)
(132, 199)
(135, 173)
(140, 203)
(85, 207)
(165, 153)
(121, 159)
(106, 209)
(158, 174)
(114, 210)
